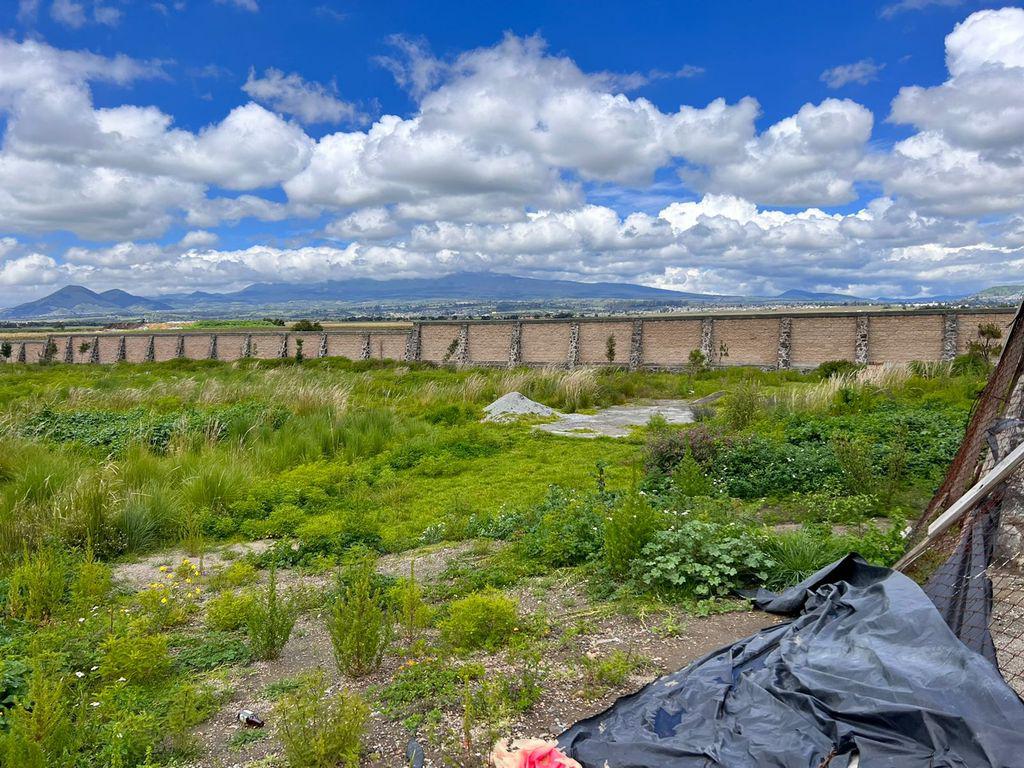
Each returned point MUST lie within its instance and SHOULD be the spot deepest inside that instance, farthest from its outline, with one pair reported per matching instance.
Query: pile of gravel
(513, 405)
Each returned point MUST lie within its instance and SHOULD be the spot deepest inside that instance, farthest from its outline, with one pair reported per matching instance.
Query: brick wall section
(817, 339)
(751, 341)
(135, 348)
(666, 342)
(969, 328)
(165, 347)
(904, 339)
(108, 348)
(594, 342)
(490, 343)
(230, 346)
(436, 340)
(669, 342)
(387, 346)
(344, 345)
(545, 343)
(310, 344)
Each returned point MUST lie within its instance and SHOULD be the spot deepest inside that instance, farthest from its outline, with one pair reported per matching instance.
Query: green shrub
(39, 731)
(569, 528)
(229, 611)
(742, 404)
(238, 574)
(359, 621)
(702, 559)
(831, 368)
(137, 657)
(210, 650)
(856, 463)
(757, 467)
(413, 614)
(36, 586)
(606, 672)
(629, 526)
(689, 479)
(270, 621)
(319, 729)
(482, 621)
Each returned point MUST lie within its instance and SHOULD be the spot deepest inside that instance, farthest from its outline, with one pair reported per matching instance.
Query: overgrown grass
(99, 463)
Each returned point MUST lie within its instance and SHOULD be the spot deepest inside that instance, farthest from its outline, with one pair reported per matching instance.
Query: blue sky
(875, 148)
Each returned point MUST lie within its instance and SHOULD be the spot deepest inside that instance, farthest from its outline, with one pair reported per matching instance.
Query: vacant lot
(346, 549)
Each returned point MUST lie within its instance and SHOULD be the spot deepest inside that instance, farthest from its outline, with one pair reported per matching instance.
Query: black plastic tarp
(866, 666)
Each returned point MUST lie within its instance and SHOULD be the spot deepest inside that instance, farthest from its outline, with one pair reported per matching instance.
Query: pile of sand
(513, 405)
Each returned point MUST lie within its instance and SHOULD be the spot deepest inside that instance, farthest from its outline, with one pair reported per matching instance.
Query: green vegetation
(340, 466)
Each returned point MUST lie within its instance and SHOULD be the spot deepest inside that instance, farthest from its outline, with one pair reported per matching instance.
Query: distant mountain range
(417, 294)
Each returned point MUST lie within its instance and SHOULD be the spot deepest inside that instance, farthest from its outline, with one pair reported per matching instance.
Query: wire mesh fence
(974, 571)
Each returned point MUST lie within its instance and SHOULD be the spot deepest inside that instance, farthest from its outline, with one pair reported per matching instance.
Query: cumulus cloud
(309, 102)
(501, 164)
(861, 72)
(968, 154)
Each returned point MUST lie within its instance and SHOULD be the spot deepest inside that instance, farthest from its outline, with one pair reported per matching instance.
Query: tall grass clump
(359, 621)
(743, 404)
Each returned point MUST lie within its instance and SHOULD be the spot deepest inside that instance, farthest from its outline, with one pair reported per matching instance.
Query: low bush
(321, 729)
(666, 448)
(757, 467)
(229, 611)
(135, 656)
(630, 525)
(702, 559)
(270, 621)
(482, 621)
(210, 650)
(832, 368)
(36, 586)
(359, 620)
(568, 528)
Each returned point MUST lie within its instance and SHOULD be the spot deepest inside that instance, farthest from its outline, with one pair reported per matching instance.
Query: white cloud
(246, 5)
(903, 6)
(861, 72)
(68, 12)
(808, 159)
(309, 102)
(968, 155)
(500, 166)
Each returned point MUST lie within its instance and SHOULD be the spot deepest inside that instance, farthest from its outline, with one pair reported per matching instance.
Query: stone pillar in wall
(364, 352)
(412, 343)
(282, 351)
(94, 350)
(461, 356)
(636, 345)
(69, 350)
(707, 338)
(49, 350)
(151, 350)
(179, 349)
(515, 347)
(322, 352)
(860, 353)
(213, 347)
(122, 351)
(785, 353)
(574, 345)
(22, 354)
(247, 346)
(950, 336)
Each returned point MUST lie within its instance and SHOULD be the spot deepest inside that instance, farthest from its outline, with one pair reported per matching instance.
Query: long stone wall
(797, 340)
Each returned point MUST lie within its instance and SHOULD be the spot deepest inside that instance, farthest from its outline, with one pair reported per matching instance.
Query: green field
(163, 527)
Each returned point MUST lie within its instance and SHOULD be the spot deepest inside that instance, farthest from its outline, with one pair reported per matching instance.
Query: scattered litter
(513, 405)
(251, 719)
